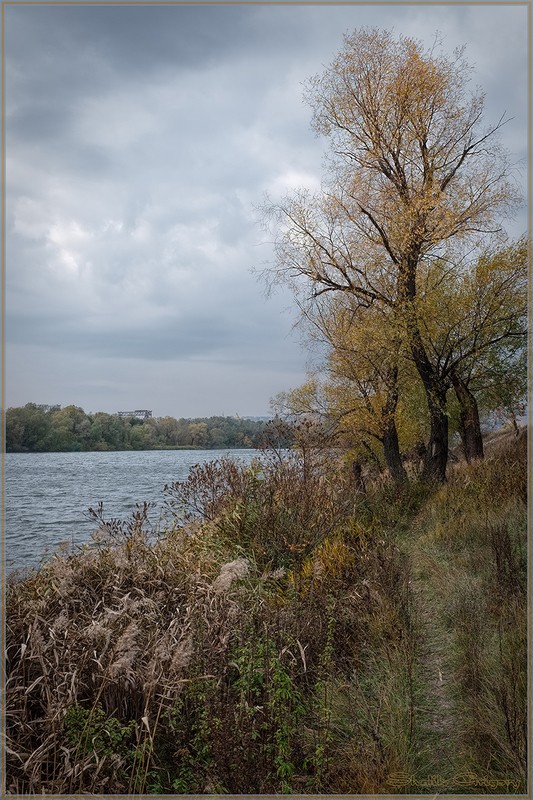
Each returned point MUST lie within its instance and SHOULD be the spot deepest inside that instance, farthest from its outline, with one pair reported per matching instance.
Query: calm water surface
(48, 494)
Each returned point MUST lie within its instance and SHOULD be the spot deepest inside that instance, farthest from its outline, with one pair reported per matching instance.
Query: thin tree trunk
(470, 429)
(391, 452)
(389, 440)
(359, 481)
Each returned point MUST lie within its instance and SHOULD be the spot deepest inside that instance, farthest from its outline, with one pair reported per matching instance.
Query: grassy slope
(357, 645)
(469, 561)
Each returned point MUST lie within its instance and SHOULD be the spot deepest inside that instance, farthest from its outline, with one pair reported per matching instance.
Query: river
(47, 495)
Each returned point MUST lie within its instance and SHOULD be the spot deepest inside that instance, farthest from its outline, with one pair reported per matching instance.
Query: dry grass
(129, 662)
(272, 644)
(471, 560)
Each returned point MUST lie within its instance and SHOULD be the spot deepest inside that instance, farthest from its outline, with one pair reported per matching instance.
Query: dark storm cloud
(139, 38)
(78, 53)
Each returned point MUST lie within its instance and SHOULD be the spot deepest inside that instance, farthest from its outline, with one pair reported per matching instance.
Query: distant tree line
(39, 429)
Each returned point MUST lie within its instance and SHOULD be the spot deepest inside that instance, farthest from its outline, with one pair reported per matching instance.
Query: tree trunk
(389, 440)
(359, 481)
(470, 429)
(436, 459)
(391, 452)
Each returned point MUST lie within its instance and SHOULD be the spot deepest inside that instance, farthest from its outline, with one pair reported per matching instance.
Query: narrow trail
(437, 728)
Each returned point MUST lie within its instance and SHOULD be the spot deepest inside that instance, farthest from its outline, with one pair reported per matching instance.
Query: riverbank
(296, 637)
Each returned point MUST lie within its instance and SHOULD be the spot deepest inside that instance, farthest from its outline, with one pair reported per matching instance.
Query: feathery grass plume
(125, 652)
(182, 655)
(239, 568)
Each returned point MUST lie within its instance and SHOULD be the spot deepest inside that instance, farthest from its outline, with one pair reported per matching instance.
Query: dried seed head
(230, 572)
(182, 655)
(125, 651)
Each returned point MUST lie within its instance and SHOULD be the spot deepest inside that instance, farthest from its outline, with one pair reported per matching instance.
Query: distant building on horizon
(142, 413)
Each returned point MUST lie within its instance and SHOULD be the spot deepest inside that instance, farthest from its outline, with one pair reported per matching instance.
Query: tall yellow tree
(413, 177)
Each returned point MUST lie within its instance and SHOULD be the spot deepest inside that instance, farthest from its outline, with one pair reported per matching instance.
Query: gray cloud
(139, 141)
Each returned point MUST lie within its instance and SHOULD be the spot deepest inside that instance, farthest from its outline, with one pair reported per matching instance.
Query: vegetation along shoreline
(285, 633)
(35, 428)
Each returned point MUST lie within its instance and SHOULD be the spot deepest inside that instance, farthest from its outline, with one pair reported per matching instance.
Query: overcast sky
(140, 140)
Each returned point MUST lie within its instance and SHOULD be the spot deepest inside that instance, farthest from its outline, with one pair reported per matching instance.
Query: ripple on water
(48, 494)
